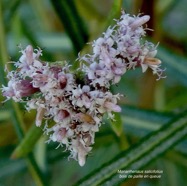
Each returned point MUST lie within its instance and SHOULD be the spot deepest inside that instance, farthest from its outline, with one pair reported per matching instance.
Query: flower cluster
(73, 104)
(120, 49)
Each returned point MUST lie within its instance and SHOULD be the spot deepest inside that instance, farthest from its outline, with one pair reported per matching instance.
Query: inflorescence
(71, 105)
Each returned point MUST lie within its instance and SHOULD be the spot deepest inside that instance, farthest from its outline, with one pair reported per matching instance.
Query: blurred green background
(62, 28)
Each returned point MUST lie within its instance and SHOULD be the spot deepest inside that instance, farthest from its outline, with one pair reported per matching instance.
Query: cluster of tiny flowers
(120, 49)
(73, 104)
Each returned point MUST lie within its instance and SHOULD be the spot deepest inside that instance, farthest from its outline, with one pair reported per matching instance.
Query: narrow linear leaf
(72, 22)
(36, 172)
(9, 168)
(115, 12)
(140, 122)
(13, 107)
(27, 143)
(3, 48)
(9, 137)
(175, 64)
(27, 32)
(17, 120)
(165, 6)
(137, 157)
(4, 115)
(12, 9)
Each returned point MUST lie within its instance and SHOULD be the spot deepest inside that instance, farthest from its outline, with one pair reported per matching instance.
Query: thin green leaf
(115, 12)
(164, 6)
(28, 142)
(36, 172)
(10, 167)
(3, 49)
(143, 120)
(9, 137)
(12, 9)
(177, 157)
(72, 22)
(174, 63)
(137, 157)
(140, 122)
(4, 115)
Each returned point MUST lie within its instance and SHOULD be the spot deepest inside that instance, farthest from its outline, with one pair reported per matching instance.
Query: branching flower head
(75, 104)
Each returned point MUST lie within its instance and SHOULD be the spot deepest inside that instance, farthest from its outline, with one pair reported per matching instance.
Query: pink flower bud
(139, 21)
(26, 88)
(39, 116)
(61, 133)
(63, 81)
(29, 54)
(111, 106)
(62, 114)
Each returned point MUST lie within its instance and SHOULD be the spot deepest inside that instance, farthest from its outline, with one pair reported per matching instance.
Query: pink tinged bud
(29, 54)
(39, 116)
(26, 88)
(61, 133)
(81, 159)
(61, 115)
(63, 81)
(139, 21)
(82, 152)
(111, 106)
(151, 61)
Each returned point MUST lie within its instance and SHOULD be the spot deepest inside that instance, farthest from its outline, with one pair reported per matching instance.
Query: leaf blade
(27, 143)
(152, 146)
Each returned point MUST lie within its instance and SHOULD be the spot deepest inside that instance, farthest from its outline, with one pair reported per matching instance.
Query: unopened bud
(29, 54)
(139, 21)
(85, 118)
(39, 116)
(152, 61)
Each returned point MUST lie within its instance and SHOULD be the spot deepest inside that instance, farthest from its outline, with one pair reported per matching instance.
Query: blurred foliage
(150, 109)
